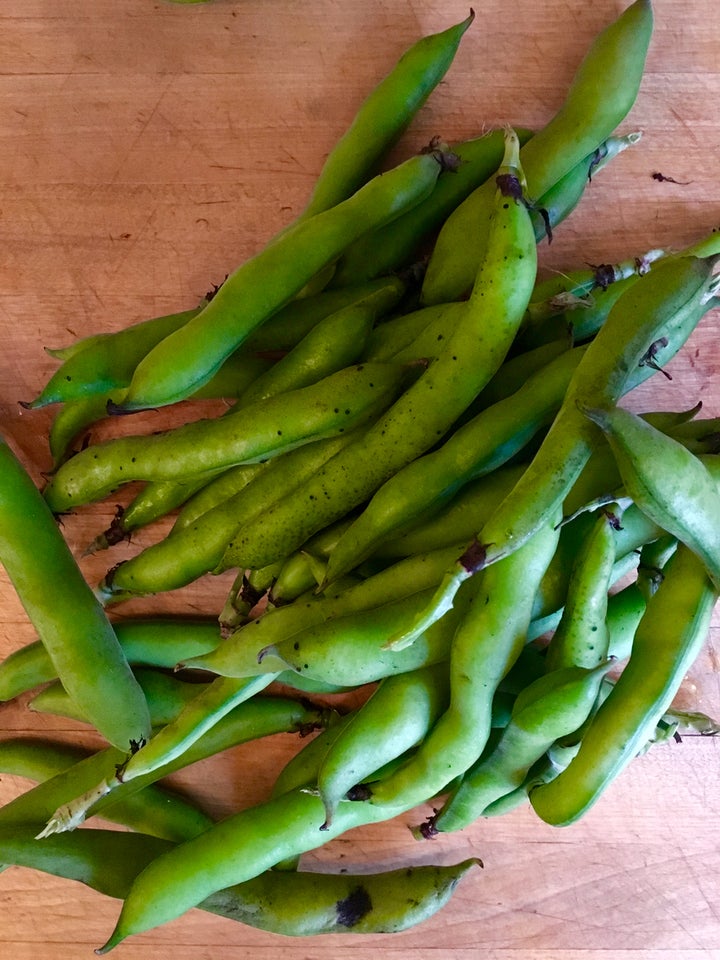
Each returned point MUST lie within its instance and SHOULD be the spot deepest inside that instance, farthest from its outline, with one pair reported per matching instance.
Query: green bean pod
(238, 653)
(290, 904)
(667, 481)
(76, 416)
(409, 331)
(582, 637)
(176, 368)
(335, 342)
(259, 717)
(393, 720)
(667, 641)
(253, 433)
(153, 810)
(383, 116)
(70, 622)
(600, 96)
(193, 549)
(166, 696)
(471, 356)
(395, 245)
(557, 203)
(486, 644)
(107, 363)
(151, 642)
(478, 447)
(552, 707)
(239, 848)
(648, 325)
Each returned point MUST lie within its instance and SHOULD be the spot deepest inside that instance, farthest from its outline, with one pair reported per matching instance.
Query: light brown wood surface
(147, 149)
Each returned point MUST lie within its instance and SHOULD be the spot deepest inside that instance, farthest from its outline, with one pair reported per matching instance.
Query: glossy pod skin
(478, 447)
(160, 642)
(471, 356)
(600, 96)
(175, 368)
(259, 717)
(667, 481)
(582, 637)
(489, 638)
(70, 622)
(193, 549)
(383, 116)
(252, 433)
(552, 707)
(405, 579)
(395, 246)
(668, 638)
(394, 719)
(154, 810)
(107, 363)
(239, 848)
(290, 904)
(647, 326)
(75, 417)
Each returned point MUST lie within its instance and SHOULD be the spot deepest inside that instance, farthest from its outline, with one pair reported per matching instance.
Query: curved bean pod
(470, 357)
(259, 717)
(648, 324)
(383, 115)
(478, 447)
(590, 113)
(70, 622)
(393, 720)
(582, 637)
(486, 644)
(551, 708)
(290, 904)
(156, 642)
(176, 368)
(153, 810)
(193, 549)
(394, 246)
(253, 433)
(669, 637)
(667, 481)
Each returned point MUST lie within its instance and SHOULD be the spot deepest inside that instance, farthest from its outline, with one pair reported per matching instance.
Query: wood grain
(149, 148)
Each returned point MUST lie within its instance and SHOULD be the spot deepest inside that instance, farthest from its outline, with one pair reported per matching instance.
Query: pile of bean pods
(430, 496)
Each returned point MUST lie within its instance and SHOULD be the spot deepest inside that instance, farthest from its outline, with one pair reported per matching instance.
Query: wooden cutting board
(147, 149)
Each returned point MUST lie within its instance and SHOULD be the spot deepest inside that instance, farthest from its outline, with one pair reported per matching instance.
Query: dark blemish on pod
(353, 908)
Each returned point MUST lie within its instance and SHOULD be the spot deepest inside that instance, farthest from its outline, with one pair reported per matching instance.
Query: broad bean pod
(70, 622)
(395, 718)
(647, 326)
(153, 810)
(668, 638)
(551, 708)
(489, 638)
(238, 653)
(193, 549)
(471, 355)
(171, 742)
(259, 717)
(151, 642)
(478, 447)
(396, 245)
(291, 904)
(383, 116)
(176, 368)
(253, 433)
(590, 113)
(582, 637)
(667, 481)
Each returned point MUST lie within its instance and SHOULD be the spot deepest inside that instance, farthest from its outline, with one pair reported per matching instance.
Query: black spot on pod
(351, 910)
